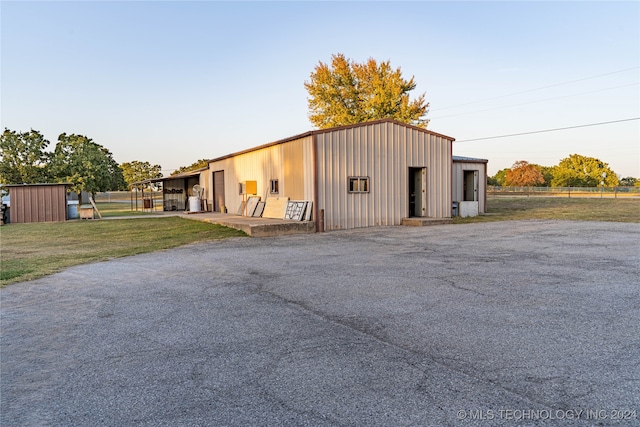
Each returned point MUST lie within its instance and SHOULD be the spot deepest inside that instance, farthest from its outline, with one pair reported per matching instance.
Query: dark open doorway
(417, 192)
(470, 183)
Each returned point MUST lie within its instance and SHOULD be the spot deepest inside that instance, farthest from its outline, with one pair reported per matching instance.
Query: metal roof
(320, 131)
(37, 185)
(468, 159)
(182, 175)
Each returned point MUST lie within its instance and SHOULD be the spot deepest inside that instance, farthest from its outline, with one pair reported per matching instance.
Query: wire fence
(601, 192)
(492, 191)
(114, 197)
(151, 200)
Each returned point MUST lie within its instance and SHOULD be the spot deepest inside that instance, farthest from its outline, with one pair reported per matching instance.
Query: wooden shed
(38, 202)
(367, 174)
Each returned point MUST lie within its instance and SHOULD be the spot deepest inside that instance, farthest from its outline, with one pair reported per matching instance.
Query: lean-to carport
(168, 193)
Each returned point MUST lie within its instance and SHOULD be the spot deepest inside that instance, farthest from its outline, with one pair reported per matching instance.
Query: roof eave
(321, 131)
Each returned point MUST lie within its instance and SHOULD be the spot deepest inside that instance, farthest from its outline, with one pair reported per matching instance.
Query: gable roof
(321, 131)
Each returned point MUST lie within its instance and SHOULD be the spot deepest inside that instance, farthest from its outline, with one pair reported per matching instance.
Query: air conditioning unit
(249, 187)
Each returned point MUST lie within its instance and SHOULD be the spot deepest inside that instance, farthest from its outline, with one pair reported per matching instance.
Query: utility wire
(536, 89)
(549, 130)
(533, 102)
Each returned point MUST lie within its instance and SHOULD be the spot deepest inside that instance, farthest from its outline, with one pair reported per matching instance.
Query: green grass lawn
(116, 209)
(29, 251)
(577, 209)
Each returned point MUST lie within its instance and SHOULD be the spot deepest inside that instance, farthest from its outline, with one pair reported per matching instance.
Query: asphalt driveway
(509, 323)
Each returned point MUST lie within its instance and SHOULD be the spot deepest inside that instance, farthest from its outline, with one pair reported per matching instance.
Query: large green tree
(345, 92)
(582, 171)
(629, 181)
(499, 179)
(87, 165)
(524, 174)
(23, 158)
(547, 174)
(137, 171)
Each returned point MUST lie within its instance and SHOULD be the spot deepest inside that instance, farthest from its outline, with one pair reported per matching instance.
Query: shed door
(218, 191)
(470, 186)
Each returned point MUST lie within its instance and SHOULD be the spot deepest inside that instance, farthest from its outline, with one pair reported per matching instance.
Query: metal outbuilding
(368, 174)
(38, 202)
(469, 184)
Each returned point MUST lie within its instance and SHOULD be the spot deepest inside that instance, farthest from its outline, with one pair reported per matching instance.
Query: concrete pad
(468, 209)
(423, 222)
(254, 226)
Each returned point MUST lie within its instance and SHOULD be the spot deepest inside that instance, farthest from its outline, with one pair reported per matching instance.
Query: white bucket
(194, 204)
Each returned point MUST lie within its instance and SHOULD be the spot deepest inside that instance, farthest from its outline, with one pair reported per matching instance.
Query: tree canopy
(573, 171)
(582, 171)
(524, 174)
(193, 166)
(499, 178)
(137, 171)
(547, 174)
(346, 92)
(629, 181)
(23, 158)
(87, 165)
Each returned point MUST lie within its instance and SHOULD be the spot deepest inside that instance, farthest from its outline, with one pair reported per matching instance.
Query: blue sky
(174, 82)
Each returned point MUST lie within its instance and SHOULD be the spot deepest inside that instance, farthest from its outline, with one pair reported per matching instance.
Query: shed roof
(320, 131)
(468, 159)
(182, 175)
(67, 184)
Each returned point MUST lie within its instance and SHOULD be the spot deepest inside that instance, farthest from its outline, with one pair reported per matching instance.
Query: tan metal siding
(293, 181)
(308, 161)
(383, 152)
(290, 163)
(458, 180)
(38, 203)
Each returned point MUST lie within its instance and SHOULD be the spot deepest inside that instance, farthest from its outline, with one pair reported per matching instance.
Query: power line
(536, 89)
(549, 130)
(533, 102)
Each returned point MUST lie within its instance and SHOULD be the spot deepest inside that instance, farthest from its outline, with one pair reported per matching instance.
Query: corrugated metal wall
(458, 182)
(289, 162)
(384, 152)
(38, 203)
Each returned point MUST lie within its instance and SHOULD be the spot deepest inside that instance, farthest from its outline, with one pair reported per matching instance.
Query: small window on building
(358, 184)
(274, 187)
